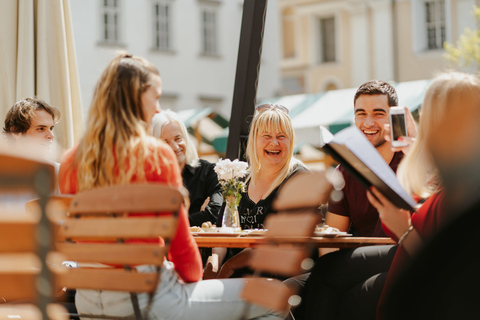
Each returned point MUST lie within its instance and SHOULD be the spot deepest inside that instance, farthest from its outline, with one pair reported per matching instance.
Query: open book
(359, 157)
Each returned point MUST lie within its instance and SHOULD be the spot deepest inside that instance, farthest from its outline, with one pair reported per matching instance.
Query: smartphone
(398, 126)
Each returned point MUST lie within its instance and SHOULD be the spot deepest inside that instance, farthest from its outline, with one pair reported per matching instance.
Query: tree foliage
(466, 51)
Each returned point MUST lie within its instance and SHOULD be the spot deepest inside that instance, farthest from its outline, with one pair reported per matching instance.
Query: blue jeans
(208, 299)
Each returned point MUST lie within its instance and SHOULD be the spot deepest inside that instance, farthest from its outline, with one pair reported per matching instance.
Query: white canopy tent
(332, 109)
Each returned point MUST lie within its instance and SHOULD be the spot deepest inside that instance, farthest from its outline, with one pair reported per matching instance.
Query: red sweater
(427, 221)
(184, 251)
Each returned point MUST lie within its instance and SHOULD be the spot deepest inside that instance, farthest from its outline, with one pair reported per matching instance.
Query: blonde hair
(270, 120)
(160, 120)
(449, 92)
(116, 144)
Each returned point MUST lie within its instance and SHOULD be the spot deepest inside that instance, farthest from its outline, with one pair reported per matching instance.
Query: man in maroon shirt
(371, 102)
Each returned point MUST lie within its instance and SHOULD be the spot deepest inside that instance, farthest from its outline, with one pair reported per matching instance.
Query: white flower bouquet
(229, 174)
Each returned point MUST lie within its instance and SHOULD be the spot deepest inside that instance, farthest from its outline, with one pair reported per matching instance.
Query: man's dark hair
(374, 87)
(19, 117)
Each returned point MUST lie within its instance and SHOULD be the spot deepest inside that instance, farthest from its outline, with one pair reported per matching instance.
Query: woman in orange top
(117, 148)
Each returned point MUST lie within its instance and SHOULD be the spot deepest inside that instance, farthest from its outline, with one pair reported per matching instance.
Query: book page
(355, 152)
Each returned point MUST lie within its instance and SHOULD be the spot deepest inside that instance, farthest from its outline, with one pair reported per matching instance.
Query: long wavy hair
(116, 142)
(450, 92)
(160, 120)
(269, 120)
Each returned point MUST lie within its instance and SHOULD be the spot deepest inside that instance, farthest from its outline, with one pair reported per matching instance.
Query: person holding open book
(449, 93)
(354, 213)
(372, 102)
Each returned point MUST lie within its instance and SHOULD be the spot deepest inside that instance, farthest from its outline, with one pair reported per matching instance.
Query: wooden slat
(304, 190)
(19, 171)
(129, 198)
(101, 228)
(55, 203)
(18, 261)
(281, 260)
(31, 312)
(18, 274)
(107, 279)
(17, 235)
(117, 254)
(289, 225)
(271, 294)
(18, 286)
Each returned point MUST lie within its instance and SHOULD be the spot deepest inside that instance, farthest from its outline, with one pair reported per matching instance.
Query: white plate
(254, 232)
(331, 234)
(217, 234)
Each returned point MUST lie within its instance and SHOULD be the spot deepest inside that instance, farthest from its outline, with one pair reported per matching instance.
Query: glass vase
(231, 218)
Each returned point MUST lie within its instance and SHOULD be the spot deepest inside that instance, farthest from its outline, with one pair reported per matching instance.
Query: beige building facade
(335, 44)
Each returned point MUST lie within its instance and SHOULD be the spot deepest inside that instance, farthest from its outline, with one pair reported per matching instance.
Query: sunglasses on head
(263, 107)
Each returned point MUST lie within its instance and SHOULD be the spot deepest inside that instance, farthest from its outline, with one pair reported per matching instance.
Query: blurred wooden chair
(97, 231)
(57, 203)
(288, 250)
(25, 280)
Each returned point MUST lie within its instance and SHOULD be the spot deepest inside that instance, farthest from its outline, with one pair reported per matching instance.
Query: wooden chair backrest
(287, 252)
(304, 190)
(22, 255)
(288, 236)
(285, 256)
(98, 230)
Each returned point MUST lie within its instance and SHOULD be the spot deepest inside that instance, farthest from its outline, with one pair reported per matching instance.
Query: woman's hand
(205, 204)
(395, 219)
(411, 131)
(238, 261)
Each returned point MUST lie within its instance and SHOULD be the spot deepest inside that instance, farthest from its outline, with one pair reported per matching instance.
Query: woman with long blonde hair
(117, 148)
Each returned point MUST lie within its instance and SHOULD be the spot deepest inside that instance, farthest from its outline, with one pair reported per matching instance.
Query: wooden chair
(25, 279)
(97, 230)
(55, 203)
(288, 251)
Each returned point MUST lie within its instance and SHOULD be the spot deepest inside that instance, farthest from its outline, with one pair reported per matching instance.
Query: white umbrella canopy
(37, 55)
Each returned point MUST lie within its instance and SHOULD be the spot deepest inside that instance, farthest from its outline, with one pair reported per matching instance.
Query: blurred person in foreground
(198, 175)
(117, 148)
(438, 280)
(269, 152)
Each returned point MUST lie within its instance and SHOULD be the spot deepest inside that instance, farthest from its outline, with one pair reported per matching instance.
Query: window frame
(322, 41)
(108, 9)
(168, 39)
(420, 35)
(209, 33)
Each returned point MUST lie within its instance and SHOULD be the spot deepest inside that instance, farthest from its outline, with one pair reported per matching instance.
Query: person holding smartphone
(334, 297)
(401, 123)
(354, 213)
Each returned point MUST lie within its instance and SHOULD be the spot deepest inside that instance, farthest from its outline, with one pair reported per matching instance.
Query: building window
(162, 25)
(435, 24)
(327, 40)
(111, 21)
(209, 31)
(288, 29)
